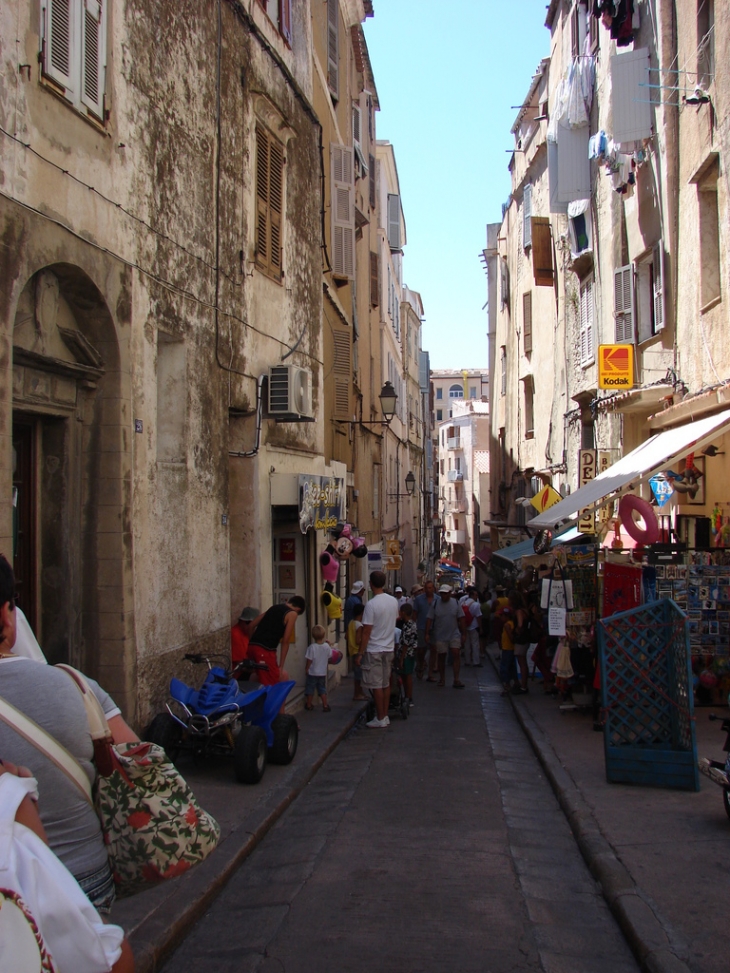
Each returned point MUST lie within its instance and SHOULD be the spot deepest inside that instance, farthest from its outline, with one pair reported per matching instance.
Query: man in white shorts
(470, 603)
(377, 646)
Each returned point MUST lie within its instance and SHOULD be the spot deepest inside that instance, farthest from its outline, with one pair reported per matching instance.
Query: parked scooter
(718, 771)
(220, 718)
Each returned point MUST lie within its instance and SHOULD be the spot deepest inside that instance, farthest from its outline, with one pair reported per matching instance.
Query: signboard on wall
(615, 367)
(321, 502)
(587, 459)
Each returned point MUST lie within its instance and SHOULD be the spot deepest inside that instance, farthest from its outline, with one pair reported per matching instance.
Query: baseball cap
(398, 588)
(358, 586)
(248, 614)
(445, 589)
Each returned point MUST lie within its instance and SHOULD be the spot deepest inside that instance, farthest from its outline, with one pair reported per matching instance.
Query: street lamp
(410, 487)
(388, 401)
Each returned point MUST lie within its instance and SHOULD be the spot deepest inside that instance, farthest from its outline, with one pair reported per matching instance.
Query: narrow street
(436, 844)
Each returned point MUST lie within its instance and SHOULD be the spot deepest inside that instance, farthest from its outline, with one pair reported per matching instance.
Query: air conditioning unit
(290, 394)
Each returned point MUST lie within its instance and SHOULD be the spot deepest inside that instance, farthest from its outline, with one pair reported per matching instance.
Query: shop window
(269, 202)
(73, 51)
(279, 13)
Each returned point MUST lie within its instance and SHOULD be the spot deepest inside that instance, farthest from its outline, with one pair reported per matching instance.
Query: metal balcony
(454, 442)
(456, 506)
(454, 476)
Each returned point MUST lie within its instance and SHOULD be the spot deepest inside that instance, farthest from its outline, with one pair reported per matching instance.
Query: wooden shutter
(658, 286)
(285, 20)
(343, 212)
(542, 252)
(269, 202)
(526, 215)
(356, 124)
(333, 47)
(527, 322)
(630, 98)
(342, 368)
(586, 322)
(623, 304)
(58, 28)
(371, 171)
(374, 279)
(93, 57)
(394, 240)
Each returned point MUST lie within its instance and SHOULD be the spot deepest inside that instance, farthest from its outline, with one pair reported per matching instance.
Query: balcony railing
(456, 506)
(454, 476)
(454, 442)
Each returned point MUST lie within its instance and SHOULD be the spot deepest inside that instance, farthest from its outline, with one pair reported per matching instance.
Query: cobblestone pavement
(434, 845)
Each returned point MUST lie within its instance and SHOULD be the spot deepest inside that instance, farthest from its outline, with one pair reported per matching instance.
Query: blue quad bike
(219, 718)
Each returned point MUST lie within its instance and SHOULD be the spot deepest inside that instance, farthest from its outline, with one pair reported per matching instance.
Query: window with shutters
(586, 338)
(279, 13)
(542, 252)
(333, 48)
(528, 387)
(504, 284)
(374, 279)
(73, 52)
(706, 181)
(394, 229)
(371, 180)
(649, 293)
(503, 370)
(527, 322)
(343, 212)
(623, 305)
(526, 217)
(342, 369)
(269, 203)
(705, 42)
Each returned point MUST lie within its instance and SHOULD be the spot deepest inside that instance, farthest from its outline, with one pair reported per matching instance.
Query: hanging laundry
(620, 17)
(579, 228)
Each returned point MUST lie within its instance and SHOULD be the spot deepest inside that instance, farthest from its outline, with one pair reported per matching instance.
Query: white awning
(656, 454)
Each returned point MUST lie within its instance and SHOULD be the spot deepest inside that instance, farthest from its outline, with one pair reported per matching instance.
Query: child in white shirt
(317, 659)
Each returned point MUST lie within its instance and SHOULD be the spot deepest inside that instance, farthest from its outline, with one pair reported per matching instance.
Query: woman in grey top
(50, 698)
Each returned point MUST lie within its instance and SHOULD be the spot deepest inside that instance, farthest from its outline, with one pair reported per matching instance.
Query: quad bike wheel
(166, 733)
(286, 739)
(249, 755)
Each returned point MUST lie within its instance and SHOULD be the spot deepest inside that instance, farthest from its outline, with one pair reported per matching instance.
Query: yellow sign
(615, 366)
(392, 547)
(392, 562)
(545, 498)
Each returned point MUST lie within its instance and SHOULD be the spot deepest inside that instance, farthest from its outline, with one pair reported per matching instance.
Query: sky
(448, 77)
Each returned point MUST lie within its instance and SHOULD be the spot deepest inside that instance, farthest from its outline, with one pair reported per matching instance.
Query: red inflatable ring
(630, 506)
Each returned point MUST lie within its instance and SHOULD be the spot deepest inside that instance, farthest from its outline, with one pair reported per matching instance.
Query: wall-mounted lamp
(410, 487)
(712, 451)
(388, 404)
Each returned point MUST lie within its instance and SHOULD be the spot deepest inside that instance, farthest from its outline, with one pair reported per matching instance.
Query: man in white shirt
(473, 613)
(377, 646)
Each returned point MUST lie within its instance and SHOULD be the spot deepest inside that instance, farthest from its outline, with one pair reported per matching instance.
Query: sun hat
(358, 586)
(248, 614)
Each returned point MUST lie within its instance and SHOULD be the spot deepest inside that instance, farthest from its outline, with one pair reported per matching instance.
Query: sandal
(326, 709)
(309, 707)
(459, 685)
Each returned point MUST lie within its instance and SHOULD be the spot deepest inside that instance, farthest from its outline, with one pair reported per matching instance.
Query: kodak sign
(615, 366)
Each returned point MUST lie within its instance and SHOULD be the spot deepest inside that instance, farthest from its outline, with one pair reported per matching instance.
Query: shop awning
(515, 551)
(656, 454)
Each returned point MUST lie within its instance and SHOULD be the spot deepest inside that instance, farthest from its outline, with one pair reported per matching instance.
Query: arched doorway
(71, 473)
